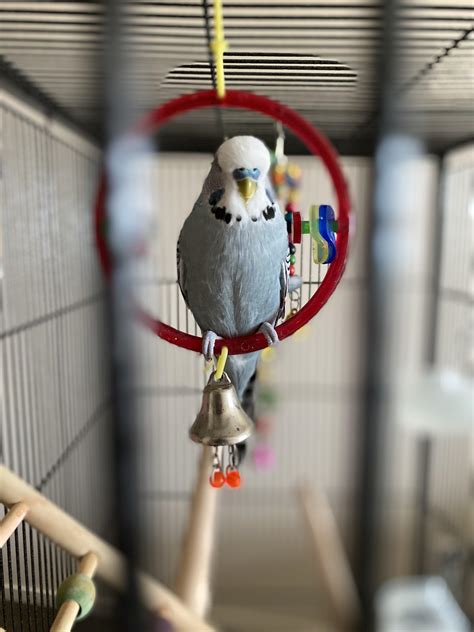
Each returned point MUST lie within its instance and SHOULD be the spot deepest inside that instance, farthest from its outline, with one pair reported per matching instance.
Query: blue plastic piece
(326, 224)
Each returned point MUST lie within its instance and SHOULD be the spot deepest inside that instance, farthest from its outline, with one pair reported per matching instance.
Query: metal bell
(221, 420)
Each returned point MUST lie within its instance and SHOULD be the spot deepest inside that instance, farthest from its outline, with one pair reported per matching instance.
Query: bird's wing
(181, 274)
(284, 281)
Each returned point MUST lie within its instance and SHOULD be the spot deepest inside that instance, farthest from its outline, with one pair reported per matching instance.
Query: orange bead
(233, 478)
(217, 478)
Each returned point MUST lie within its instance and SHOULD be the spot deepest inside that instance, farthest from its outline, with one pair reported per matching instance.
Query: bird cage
(98, 476)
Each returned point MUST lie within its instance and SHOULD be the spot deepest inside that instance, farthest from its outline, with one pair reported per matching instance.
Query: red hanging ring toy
(314, 141)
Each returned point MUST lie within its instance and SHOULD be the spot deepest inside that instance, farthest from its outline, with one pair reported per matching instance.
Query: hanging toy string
(218, 48)
(212, 65)
(221, 363)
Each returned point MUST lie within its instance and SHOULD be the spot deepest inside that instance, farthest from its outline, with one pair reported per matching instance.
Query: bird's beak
(247, 187)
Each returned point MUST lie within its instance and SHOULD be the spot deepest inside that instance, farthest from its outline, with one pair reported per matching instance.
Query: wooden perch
(194, 568)
(331, 559)
(70, 535)
(11, 521)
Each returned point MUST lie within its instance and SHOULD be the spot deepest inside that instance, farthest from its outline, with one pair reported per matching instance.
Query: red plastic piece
(292, 270)
(290, 207)
(296, 228)
(217, 478)
(233, 478)
(315, 142)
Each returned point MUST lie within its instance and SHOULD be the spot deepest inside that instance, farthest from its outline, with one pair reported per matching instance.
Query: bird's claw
(208, 342)
(269, 332)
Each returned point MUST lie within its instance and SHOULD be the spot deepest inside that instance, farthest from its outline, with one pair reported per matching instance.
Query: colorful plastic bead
(294, 171)
(217, 478)
(292, 270)
(263, 424)
(290, 208)
(296, 228)
(292, 249)
(326, 228)
(79, 588)
(233, 478)
(292, 259)
(263, 457)
(267, 396)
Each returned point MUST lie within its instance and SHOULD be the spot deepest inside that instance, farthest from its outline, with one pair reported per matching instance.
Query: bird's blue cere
(240, 174)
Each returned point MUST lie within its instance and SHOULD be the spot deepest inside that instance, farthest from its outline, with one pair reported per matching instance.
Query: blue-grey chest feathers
(224, 214)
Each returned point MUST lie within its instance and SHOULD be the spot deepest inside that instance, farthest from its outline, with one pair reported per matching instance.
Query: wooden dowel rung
(73, 537)
(334, 570)
(88, 564)
(194, 567)
(11, 521)
(66, 617)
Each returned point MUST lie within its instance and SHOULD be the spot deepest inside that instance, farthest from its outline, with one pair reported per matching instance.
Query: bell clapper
(217, 477)
(232, 474)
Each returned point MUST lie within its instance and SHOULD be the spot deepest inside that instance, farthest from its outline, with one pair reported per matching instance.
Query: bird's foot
(269, 332)
(208, 343)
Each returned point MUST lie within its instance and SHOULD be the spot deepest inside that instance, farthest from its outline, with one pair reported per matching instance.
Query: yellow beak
(247, 188)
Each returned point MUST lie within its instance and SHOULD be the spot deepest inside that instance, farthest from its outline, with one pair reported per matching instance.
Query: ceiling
(317, 57)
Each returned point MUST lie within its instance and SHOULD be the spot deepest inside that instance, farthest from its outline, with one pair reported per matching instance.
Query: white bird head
(245, 161)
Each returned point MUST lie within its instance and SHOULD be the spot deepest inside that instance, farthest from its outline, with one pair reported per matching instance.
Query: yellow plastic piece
(221, 363)
(268, 354)
(219, 47)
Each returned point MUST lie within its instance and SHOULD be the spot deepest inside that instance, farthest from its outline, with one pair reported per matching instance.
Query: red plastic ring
(296, 228)
(315, 142)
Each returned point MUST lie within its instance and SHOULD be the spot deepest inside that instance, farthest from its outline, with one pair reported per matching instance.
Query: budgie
(232, 254)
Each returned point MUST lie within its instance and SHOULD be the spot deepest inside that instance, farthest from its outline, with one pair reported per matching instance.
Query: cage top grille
(58, 47)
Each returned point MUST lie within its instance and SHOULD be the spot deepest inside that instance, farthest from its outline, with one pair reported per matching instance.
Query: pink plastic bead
(264, 457)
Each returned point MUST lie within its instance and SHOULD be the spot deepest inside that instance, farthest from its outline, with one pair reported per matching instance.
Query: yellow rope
(218, 48)
(221, 363)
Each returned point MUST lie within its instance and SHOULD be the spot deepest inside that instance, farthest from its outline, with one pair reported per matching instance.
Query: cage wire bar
(392, 148)
(55, 397)
(125, 229)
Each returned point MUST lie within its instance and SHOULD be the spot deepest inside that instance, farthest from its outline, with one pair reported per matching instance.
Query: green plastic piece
(306, 227)
(267, 397)
(79, 588)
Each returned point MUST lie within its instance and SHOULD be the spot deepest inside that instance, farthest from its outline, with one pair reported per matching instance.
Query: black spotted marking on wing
(219, 212)
(216, 196)
(269, 213)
